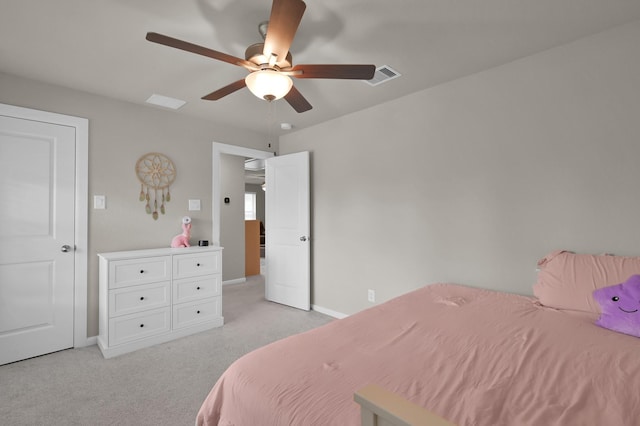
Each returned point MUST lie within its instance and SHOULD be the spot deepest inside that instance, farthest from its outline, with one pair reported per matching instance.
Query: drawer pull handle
(197, 264)
(141, 325)
(198, 288)
(142, 271)
(141, 297)
(197, 312)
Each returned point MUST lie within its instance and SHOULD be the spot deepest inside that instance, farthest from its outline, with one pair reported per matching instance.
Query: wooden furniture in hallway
(252, 247)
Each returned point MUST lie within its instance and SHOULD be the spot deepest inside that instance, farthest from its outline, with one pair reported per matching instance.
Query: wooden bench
(379, 407)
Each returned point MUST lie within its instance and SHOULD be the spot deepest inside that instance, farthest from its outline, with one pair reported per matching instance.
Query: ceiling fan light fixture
(268, 84)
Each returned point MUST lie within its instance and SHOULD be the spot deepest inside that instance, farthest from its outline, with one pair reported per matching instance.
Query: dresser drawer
(128, 300)
(197, 288)
(139, 271)
(195, 264)
(187, 314)
(136, 326)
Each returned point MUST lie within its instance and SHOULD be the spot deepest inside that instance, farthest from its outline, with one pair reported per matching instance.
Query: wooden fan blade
(356, 72)
(226, 90)
(283, 24)
(297, 101)
(194, 48)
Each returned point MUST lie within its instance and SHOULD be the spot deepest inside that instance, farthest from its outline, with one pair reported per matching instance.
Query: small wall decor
(156, 172)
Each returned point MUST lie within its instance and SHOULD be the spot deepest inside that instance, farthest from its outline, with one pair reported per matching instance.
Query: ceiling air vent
(382, 75)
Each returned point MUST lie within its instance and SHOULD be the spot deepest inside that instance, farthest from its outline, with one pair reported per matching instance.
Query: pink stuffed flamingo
(182, 240)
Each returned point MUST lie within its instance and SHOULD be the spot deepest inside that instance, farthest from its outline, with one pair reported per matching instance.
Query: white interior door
(287, 230)
(37, 196)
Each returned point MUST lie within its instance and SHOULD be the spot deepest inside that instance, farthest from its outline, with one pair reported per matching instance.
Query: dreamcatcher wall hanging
(156, 173)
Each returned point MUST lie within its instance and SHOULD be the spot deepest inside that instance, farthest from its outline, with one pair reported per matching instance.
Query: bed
(468, 355)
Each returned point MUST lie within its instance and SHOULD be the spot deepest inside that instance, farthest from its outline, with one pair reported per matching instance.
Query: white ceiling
(99, 46)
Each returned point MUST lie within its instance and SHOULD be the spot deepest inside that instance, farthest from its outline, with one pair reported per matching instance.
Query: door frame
(81, 208)
(218, 150)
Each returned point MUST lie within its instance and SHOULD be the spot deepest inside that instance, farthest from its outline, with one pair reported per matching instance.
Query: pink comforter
(475, 357)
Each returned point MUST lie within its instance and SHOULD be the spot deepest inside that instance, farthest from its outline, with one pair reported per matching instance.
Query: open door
(287, 212)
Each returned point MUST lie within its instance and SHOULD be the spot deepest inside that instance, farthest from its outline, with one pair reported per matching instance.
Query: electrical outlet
(371, 295)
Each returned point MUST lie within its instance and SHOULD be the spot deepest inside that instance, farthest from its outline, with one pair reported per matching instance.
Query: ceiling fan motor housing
(254, 53)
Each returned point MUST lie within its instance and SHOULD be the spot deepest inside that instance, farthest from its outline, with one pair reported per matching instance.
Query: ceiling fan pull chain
(270, 121)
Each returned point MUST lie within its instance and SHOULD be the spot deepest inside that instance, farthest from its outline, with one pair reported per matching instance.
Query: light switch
(194, 205)
(99, 202)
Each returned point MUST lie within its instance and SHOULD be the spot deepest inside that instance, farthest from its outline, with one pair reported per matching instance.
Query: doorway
(219, 151)
(288, 222)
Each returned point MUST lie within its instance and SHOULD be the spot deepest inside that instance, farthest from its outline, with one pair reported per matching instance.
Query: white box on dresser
(156, 295)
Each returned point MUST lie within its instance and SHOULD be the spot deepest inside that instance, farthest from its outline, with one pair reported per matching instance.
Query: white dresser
(153, 296)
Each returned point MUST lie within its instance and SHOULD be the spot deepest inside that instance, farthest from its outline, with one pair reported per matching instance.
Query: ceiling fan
(270, 63)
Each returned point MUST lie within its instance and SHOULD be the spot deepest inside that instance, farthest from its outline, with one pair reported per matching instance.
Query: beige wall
(260, 213)
(232, 216)
(119, 133)
(473, 181)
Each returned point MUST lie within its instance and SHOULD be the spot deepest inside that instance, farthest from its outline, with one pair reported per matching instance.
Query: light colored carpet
(161, 385)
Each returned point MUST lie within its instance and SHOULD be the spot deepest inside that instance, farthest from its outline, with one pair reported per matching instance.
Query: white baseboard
(329, 312)
(236, 281)
(89, 341)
